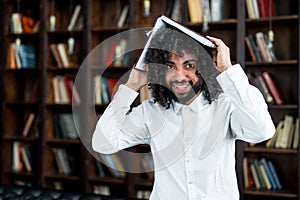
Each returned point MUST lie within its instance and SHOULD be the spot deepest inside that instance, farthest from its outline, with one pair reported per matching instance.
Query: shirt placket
(189, 121)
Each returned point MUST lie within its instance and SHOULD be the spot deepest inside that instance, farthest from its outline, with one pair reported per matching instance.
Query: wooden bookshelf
(25, 90)
(285, 69)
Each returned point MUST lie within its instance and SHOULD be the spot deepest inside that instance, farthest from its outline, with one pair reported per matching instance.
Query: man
(200, 105)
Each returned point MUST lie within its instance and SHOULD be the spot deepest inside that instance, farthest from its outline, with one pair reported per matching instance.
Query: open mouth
(181, 87)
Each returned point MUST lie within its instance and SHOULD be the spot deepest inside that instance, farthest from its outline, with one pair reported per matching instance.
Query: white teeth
(181, 86)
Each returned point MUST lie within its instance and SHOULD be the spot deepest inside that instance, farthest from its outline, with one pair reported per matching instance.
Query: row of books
(75, 20)
(110, 166)
(64, 90)
(22, 157)
(143, 194)
(65, 162)
(64, 126)
(260, 8)
(260, 47)
(21, 55)
(286, 135)
(20, 23)
(117, 54)
(260, 173)
(205, 10)
(104, 89)
(268, 85)
(102, 190)
(61, 55)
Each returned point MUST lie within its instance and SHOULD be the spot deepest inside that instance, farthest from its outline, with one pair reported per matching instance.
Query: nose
(181, 74)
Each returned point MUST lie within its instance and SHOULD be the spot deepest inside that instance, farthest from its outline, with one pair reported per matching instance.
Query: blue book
(263, 161)
(275, 175)
(27, 56)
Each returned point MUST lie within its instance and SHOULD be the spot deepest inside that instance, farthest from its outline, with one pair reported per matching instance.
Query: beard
(185, 97)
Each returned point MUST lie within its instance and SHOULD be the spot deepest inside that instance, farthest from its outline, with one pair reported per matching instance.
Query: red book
(273, 87)
(266, 8)
(112, 83)
(111, 54)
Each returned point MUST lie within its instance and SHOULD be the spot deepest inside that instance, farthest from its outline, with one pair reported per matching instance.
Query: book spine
(275, 175)
(268, 171)
(273, 87)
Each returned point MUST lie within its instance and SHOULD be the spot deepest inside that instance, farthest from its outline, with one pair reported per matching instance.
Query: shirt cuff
(125, 95)
(233, 76)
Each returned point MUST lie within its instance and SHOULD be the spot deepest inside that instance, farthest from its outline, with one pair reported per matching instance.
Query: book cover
(295, 144)
(266, 8)
(55, 54)
(67, 126)
(27, 56)
(250, 49)
(255, 48)
(111, 53)
(163, 22)
(245, 172)
(195, 9)
(275, 175)
(265, 176)
(259, 173)
(265, 90)
(255, 176)
(216, 10)
(74, 17)
(123, 16)
(28, 124)
(263, 161)
(273, 87)
(262, 46)
(25, 154)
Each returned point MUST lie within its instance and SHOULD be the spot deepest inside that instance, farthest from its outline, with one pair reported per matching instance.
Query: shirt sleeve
(250, 120)
(116, 129)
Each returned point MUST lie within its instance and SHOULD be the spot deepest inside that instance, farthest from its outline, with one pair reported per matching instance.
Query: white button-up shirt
(193, 146)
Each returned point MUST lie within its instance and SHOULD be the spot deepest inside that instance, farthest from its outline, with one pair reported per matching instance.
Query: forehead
(184, 55)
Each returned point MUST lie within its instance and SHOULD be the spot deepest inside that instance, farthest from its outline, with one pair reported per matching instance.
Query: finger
(217, 41)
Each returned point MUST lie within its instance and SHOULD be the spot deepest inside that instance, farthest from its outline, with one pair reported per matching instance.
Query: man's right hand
(137, 79)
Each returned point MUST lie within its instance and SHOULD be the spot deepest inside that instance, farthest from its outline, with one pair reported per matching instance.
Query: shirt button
(190, 182)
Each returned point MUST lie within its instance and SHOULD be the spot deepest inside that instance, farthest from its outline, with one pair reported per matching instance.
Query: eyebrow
(185, 62)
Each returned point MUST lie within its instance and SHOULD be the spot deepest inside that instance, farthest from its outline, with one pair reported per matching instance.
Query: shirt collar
(195, 106)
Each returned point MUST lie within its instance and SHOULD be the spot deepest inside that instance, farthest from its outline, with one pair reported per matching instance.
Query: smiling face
(181, 77)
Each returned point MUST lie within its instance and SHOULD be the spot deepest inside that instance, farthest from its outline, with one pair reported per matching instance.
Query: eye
(190, 66)
(170, 66)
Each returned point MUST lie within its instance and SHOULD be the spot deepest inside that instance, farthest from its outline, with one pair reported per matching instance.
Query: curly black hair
(166, 41)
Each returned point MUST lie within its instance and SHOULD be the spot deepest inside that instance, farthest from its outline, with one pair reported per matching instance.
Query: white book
(74, 18)
(255, 177)
(17, 23)
(265, 177)
(163, 22)
(288, 121)
(123, 16)
(64, 97)
(63, 54)
(16, 156)
(55, 90)
(245, 172)
(255, 9)
(296, 134)
(216, 7)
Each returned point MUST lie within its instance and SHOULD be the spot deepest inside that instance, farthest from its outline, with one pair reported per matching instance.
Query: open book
(165, 22)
